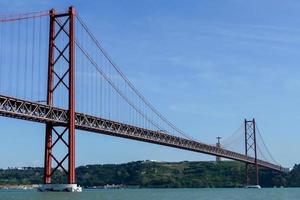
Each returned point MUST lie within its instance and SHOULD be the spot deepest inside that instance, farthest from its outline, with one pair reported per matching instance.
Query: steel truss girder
(37, 112)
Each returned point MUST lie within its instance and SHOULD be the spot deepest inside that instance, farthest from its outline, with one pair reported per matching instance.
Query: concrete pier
(59, 188)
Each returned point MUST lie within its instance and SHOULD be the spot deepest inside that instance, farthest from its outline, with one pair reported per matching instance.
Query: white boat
(253, 186)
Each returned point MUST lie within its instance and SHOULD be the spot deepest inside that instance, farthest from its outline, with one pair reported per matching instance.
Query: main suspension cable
(266, 147)
(128, 81)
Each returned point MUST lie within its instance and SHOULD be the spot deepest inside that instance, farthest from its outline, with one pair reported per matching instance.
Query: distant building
(218, 144)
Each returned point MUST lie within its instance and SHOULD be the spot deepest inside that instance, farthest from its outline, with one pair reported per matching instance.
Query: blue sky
(206, 64)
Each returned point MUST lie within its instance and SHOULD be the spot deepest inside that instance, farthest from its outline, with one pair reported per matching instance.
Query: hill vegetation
(158, 174)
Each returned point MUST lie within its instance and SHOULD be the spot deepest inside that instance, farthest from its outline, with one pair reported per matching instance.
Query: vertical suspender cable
(11, 61)
(39, 60)
(18, 58)
(26, 60)
(1, 54)
(32, 59)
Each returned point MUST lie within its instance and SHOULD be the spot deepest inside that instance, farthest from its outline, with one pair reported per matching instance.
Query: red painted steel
(71, 175)
(48, 138)
(68, 18)
(250, 145)
(255, 144)
(246, 153)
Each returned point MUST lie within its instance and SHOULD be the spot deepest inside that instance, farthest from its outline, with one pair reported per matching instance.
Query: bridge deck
(26, 110)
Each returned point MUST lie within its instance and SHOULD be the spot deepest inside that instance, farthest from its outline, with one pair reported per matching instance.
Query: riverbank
(19, 187)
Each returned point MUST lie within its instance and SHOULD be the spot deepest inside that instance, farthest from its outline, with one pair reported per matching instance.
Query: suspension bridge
(54, 71)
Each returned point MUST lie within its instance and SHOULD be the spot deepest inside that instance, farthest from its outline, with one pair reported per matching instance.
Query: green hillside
(158, 174)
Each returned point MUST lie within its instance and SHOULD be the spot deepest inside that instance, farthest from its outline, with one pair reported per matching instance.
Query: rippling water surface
(159, 194)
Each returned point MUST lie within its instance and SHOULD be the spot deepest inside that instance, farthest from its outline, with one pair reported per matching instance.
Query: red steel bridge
(46, 56)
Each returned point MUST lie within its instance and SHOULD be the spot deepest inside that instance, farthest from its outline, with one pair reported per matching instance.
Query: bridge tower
(61, 64)
(250, 147)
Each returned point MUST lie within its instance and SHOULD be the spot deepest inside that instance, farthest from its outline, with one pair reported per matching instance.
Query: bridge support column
(63, 80)
(250, 147)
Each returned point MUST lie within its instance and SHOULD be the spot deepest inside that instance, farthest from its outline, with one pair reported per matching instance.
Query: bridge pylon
(250, 147)
(61, 64)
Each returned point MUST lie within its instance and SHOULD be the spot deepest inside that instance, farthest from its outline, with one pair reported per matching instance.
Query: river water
(158, 194)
